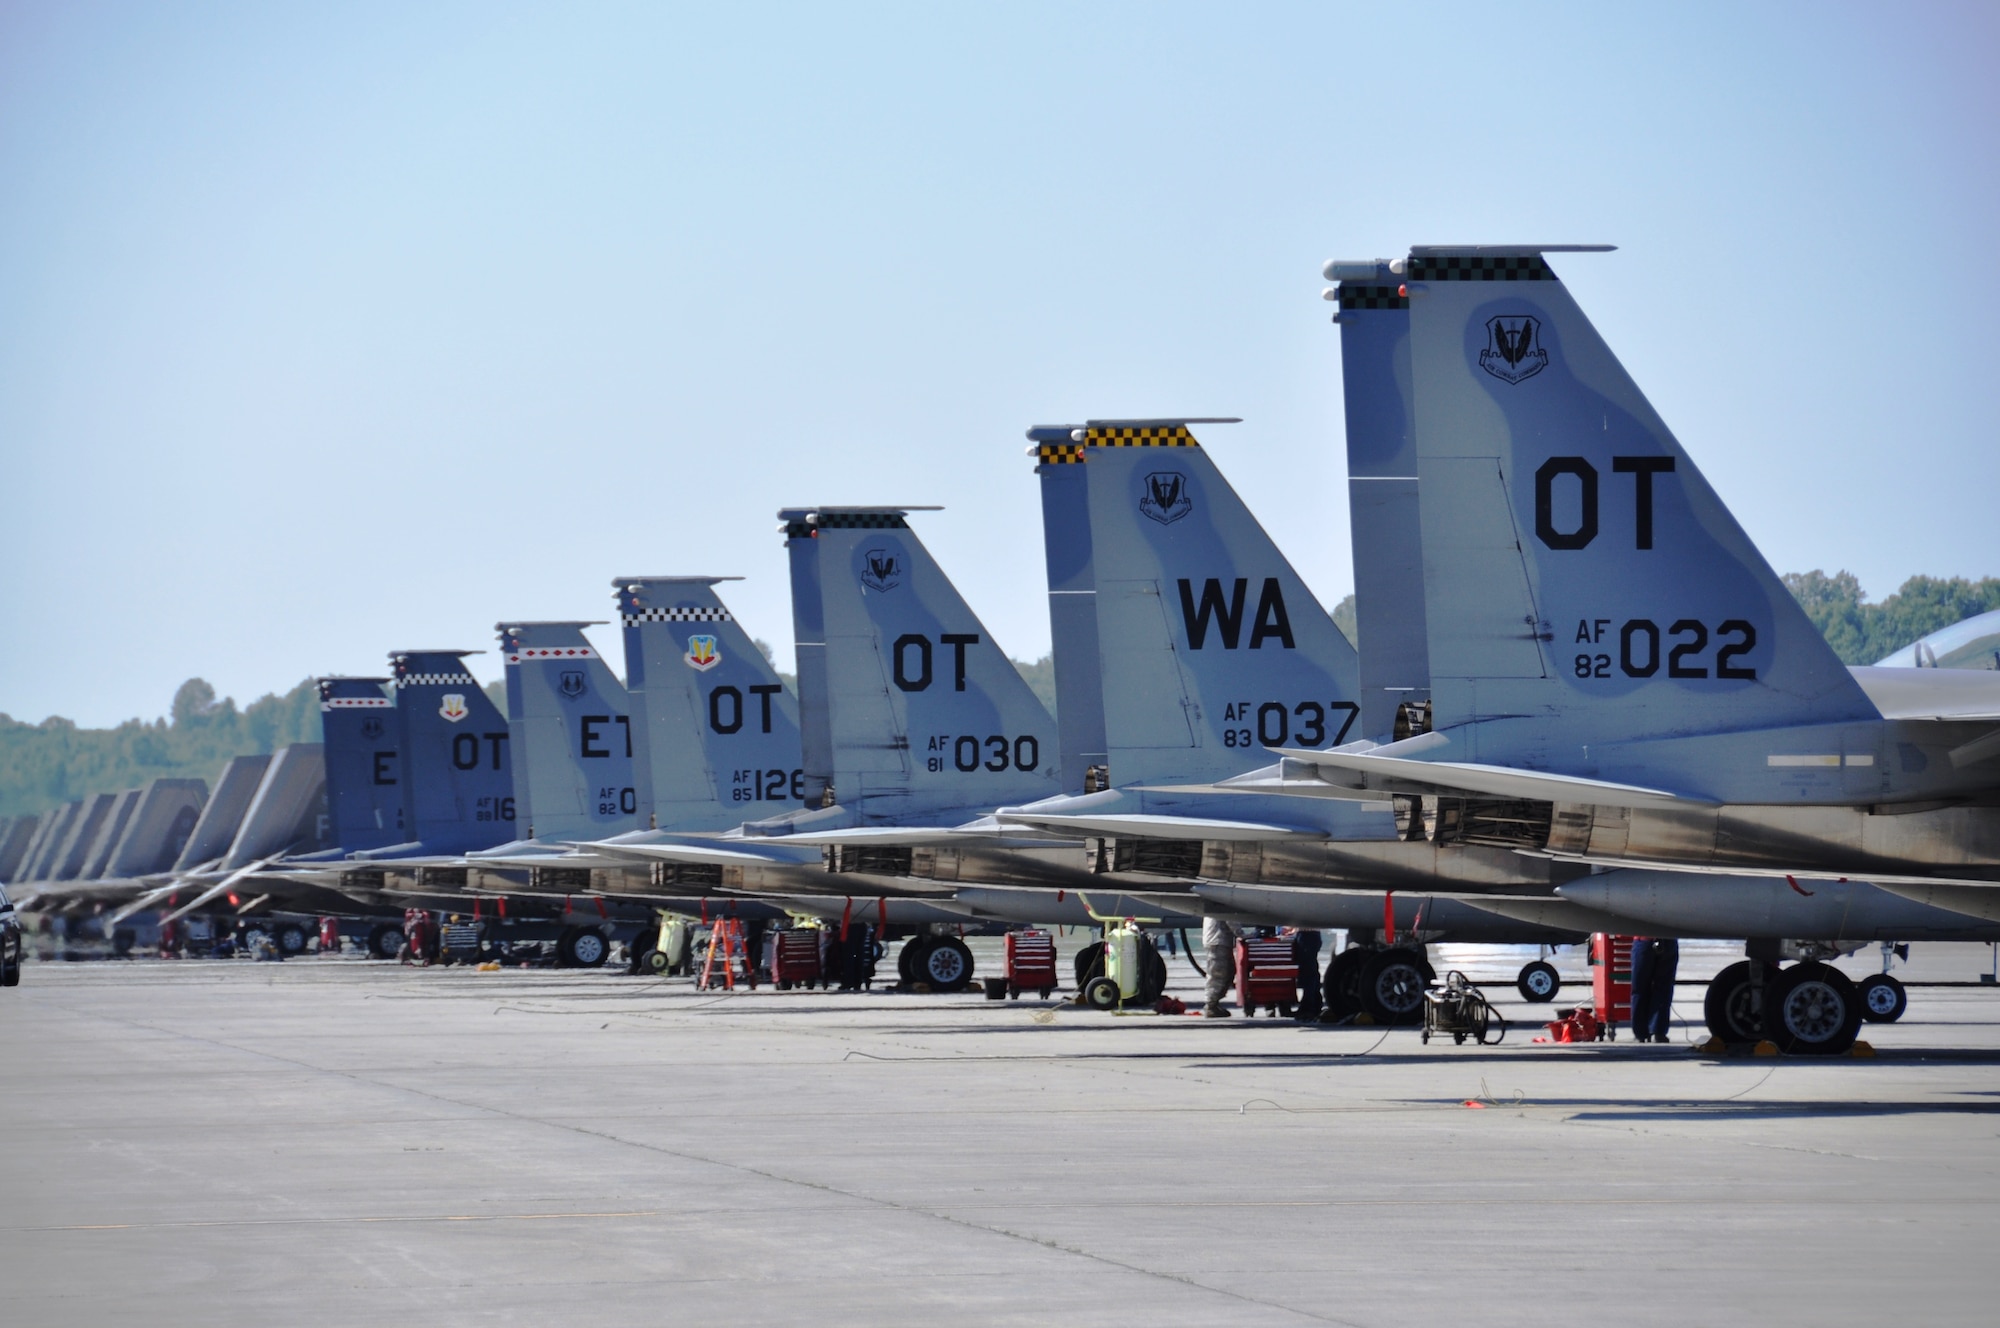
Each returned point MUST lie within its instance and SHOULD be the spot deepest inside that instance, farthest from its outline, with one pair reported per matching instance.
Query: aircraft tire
(1392, 986)
(1152, 973)
(386, 942)
(907, 957)
(1539, 982)
(1883, 998)
(1089, 963)
(1342, 989)
(1726, 1006)
(583, 947)
(946, 965)
(656, 963)
(1101, 993)
(1813, 1009)
(291, 939)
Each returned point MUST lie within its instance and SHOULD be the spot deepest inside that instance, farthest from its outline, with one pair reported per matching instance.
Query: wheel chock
(1765, 1048)
(1364, 1020)
(1715, 1046)
(1861, 1050)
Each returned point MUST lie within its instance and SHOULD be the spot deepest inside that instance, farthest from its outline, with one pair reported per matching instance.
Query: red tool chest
(1267, 976)
(795, 962)
(1030, 963)
(1611, 980)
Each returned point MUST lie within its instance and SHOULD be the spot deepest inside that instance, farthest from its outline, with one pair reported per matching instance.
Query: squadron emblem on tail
(1514, 350)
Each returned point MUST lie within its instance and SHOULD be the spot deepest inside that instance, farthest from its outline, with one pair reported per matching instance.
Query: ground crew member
(1219, 939)
(1654, 963)
(1305, 953)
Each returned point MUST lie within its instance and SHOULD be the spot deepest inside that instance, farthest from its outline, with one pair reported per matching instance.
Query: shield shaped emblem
(571, 683)
(881, 569)
(1164, 496)
(1514, 350)
(702, 654)
(371, 728)
(453, 707)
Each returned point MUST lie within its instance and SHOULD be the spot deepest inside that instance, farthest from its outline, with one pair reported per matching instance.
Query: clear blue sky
(331, 329)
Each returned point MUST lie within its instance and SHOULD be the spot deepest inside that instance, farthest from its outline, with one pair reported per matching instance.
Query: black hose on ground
(1189, 951)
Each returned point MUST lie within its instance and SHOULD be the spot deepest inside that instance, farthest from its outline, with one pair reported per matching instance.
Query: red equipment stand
(1030, 963)
(795, 962)
(1611, 981)
(1267, 975)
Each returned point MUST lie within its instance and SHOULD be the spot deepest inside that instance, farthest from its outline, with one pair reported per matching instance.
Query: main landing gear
(1386, 984)
(1810, 1008)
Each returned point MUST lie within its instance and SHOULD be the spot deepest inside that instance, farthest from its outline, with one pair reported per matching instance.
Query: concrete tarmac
(338, 1141)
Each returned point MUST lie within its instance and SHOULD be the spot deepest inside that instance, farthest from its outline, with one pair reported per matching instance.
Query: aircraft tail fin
(1374, 321)
(715, 732)
(223, 812)
(458, 775)
(1072, 576)
(570, 722)
(926, 714)
(1211, 646)
(1583, 582)
(364, 791)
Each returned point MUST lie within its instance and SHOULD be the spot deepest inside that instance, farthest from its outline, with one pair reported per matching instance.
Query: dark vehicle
(10, 942)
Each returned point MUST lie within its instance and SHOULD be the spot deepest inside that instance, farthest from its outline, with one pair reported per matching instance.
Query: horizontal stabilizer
(774, 855)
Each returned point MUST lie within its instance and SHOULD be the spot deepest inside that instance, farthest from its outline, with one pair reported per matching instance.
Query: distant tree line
(44, 765)
(1861, 633)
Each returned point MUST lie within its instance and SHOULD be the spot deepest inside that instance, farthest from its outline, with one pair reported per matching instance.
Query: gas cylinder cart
(1128, 969)
(1458, 1008)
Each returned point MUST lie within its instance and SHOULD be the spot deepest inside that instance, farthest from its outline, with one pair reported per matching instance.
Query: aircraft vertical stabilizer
(1212, 647)
(926, 712)
(1374, 321)
(571, 723)
(715, 732)
(458, 792)
(1072, 608)
(223, 812)
(364, 763)
(159, 829)
(1583, 583)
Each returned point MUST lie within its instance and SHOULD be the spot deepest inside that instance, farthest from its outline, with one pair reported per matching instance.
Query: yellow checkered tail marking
(1173, 435)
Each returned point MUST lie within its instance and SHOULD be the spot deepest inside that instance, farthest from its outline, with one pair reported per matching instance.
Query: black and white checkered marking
(436, 680)
(678, 615)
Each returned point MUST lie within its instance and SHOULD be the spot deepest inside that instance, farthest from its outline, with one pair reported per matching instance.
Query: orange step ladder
(725, 940)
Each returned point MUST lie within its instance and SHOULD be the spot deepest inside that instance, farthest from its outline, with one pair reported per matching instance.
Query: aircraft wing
(1894, 882)
(916, 836)
(1962, 696)
(704, 853)
(1368, 773)
(1150, 826)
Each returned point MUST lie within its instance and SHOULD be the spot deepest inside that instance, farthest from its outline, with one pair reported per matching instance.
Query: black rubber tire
(1089, 962)
(1342, 988)
(1101, 993)
(1725, 1006)
(906, 958)
(1152, 973)
(655, 963)
(582, 947)
(1814, 1009)
(1392, 987)
(1539, 982)
(947, 965)
(386, 942)
(1883, 998)
(291, 938)
(10, 973)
